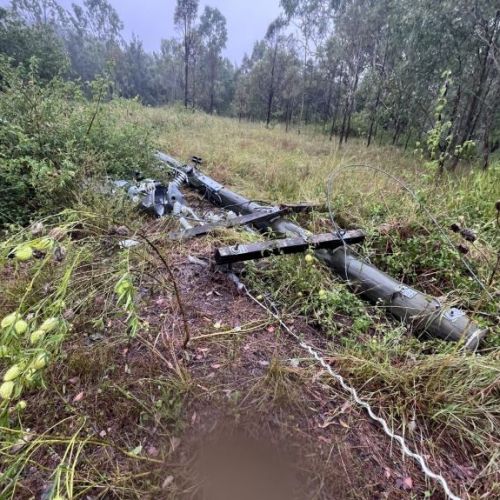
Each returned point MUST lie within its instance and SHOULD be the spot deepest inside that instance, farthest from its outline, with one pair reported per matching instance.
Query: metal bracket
(407, 292)
(453, 314)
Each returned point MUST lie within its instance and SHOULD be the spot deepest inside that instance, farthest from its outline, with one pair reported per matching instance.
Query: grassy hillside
(106, 402)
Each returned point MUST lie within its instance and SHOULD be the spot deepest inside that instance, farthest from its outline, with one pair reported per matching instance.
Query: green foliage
(53, 140)
(125, 295)
(308, 290)
(439, 139)
(441, 145)
(22, 41)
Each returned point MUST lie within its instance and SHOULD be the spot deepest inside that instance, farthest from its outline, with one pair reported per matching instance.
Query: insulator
(179, 179)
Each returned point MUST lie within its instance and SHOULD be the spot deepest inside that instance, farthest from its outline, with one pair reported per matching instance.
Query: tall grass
(428, 385)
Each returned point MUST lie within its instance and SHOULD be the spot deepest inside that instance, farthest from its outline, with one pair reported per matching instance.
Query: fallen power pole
(422, 312)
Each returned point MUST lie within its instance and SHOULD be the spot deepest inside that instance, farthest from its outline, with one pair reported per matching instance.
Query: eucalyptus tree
(478, 104)
(38, 12)
(213, 33)
(311, 19)
(168, 73)
(274, 38)
(30, 28)
(185, 15)
(133, 72)
(93, 38)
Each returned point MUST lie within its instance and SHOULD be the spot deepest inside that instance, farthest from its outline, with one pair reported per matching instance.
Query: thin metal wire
(364, 404)
(412, 193)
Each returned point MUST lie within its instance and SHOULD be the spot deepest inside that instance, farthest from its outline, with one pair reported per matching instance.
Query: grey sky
(152, 20)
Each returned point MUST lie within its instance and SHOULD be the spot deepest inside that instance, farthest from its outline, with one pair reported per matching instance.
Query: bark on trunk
(352, 103)
(337, 102)
(270, 96)
(186, 64)
(477, 97)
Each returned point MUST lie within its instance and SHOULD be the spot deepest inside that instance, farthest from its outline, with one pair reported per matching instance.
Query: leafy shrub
(52, 139)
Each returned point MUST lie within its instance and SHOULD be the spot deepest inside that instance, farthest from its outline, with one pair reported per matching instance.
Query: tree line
(86, 41)
(413, 73)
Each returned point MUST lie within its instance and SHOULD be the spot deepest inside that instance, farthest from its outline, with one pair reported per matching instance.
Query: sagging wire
(354, 394)
(413, 194)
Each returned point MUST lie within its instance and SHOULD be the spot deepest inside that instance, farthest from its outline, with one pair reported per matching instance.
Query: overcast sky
(152, 20)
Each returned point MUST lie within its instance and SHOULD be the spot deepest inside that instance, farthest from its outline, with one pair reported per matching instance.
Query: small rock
(468, 235)
(57, 233)
(128, 243)
(37, 229)
(59, 253)
(175, 442)
(405, 483)
(79, 397)
(69, 314)
(168, 481)
(119, 230)
(152, 451)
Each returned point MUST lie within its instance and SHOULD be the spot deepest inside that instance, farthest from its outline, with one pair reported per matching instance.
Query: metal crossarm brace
(261, 249)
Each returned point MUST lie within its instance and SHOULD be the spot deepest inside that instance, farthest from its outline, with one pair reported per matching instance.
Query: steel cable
(364, 404)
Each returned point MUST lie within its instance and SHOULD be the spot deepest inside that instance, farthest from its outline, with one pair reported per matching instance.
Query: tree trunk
(337, 103)
(374, 115)
(271, 87)
(212, 91)
(396, 132)
(488, 123)
(344, 120)
(193, 92)
(352, 103)
(408, 137)
(326, 111)
(186, 65)
(379, 95)
(288, 115)
(304, 83)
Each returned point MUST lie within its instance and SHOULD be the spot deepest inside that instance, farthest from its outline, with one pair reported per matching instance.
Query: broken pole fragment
(261, 249)
(303, 208)
(241, 220)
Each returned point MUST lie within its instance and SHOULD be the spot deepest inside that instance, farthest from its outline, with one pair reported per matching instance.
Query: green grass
(96, 291)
